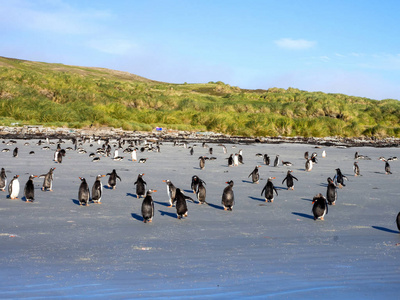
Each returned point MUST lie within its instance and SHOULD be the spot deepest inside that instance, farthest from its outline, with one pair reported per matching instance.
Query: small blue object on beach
(158, 129)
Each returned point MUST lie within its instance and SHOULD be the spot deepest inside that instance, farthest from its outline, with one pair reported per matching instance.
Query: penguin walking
(148, 207)
(202, 162)
(269, 190)
(266, 159)
(59, 157)
(255, 175)
(314, 158)
(331, 192)
(306, 155)
(339, 178)
(387, 167)
(15, 152)
(309, 165)
(276, 162)
(29, 190)
(323, 154)
(83, 193)
(289, 180)
(3, 180)
(230, 161)
(356, 169)
(134, 155)
(112, 180)
(236, 160)
(319, 209)
(97, 190)
(13, 188)
(48, 180)
(398, 221)
(201, 192)
(228, 197)
(171, 191)
(195, 183)
(140, 186)
(181, 205)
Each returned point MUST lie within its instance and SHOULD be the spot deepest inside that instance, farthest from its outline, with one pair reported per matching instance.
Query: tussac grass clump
(58, 95)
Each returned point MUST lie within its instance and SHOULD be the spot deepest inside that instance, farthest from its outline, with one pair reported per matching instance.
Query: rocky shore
(41, 132)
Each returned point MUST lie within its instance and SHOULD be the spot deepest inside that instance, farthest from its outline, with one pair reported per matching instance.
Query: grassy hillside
(59, 95)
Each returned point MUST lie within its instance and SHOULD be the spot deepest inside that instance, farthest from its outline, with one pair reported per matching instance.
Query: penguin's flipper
(188, 198)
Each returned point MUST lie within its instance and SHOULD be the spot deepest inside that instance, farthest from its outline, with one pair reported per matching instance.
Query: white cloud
(300, 44)
(112, 46)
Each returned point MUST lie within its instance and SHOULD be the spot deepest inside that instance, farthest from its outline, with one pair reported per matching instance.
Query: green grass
(58, 95)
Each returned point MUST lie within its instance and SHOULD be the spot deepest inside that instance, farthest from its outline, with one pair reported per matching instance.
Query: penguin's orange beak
(154, 191)
(273, 177)
(313, 202)
(103, 175)
(80, 178)
(164, 181)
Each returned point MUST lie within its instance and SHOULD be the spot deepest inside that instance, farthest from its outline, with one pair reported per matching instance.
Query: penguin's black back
(331, 193)
(228, 198)
(147, 208)
(96, 190)
(398, 221)
(83, 194)
(319, 206)
(29, 191)
(181, 206)
(201, 193)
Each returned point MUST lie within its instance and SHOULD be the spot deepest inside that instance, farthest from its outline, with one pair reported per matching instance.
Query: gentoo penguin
(195, 182)
(142, 160)
(286, 163)
(230, 160)
(171, 191)
(339, 178)
(201, 192)
(56, 153)
(112, 180)
(59, 157)
(255, 175)
(314, 158)
(83, 193)
(13, 188)
(266, 159)
(29, 190)
(387, 168)
(210, 151)
(48, 180)
(228, 198)
(331, 192)
(97, 189)
(181, 206)
(276, 162)
(15, 152)
(320, 209)
(191, 151)
(309, 165)
(323, 154)
(306, 155)
(240, 157)
(269, 190)
(3, 180)
(398, 221)
(236, 160)
(148, 207)
(140, 186)
(134, 155)
(223, 148)
(289, 180)
(356, 169)
(202, 162)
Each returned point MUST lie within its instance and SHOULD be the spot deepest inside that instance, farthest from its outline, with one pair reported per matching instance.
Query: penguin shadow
(303, 215)
(215, 206)
(131, 195)
(188, 191)
(107, 187)
(381, 173)
(257, 199)
(161, 203)
(385, 229)
(169, 214)
(137, 217)
(247, 181)
(196, 168)
(323, 184)
(281, 187)
(75, 201)
(306, 199)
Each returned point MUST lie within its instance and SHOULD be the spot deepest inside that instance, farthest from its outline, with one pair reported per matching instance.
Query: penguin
(309, 165)
(240, 157)
(83, 193)
(142, 160)
(289, 180)
(3, 180)
(181, 205)
(13, 188)
(15, 152)
(255, 175)
(56, 155)
(201, 192)
(191, 151)
(319, 209)
(228, 197)
(96, 159)
(230, 161)
(59, 157)
(148, 207)
(29, 190)
(171, 191)
(356, 169)
(266, 159)
(48, 180)
(339, 178)
(269, 190)
(314, 158)
(323, 154)
(331, 192)
(140, 186)
(97, 189)
(210, 151)
(276, 162)
(398, 221)
(112, 180)
(202, 162)
(306, 155)
(223, 148)
(287, 163)
(236, 160)
(195, 182)
(387, 168)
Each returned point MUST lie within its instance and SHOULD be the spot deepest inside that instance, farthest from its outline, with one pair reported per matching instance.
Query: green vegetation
(67, 96)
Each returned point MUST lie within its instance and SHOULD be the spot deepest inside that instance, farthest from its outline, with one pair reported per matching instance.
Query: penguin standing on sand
(29, 190)
(13, 188)
(171, 191)
(195, 182)
(202, 162)
(228, 198)
(331, 192)
(201, 192)
(356, 169)
(236, 160)
(398, 221)
(339, 178)
(387, 167)
(309, 165)
(83, 193)
(48, 180)
(134, 155)
(112, 180)
(140, 186)
(255, 175)
(97, 189)
(230, 160)
(319, 209)
(306, 155)
(3, 180)
(289, 180)
(269, 190)
(266, 159)
(15, 152)
(148, 207)
(181, 205)
(276, 162)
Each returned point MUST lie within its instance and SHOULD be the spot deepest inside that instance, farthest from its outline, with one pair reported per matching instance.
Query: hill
(38, 93)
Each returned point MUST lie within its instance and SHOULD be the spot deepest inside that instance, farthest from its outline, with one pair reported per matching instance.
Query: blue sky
(350, 47)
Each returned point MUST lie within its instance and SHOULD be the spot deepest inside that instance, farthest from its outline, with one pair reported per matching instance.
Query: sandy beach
(55, 248)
